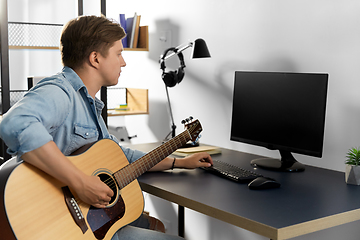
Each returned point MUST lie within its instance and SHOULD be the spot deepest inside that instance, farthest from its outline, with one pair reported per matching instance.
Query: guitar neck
(132, 171)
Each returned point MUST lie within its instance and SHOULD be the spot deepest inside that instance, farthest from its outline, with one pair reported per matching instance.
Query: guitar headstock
(193, 126)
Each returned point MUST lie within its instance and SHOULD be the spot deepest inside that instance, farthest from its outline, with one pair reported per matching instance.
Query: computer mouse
(263, 183)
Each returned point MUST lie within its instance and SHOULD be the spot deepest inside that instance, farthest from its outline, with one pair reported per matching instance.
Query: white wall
(262, 35)
(299, 36)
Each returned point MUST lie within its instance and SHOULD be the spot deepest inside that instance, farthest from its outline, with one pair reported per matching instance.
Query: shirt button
(86, 134)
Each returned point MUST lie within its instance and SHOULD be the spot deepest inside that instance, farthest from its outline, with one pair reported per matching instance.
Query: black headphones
(173, 77)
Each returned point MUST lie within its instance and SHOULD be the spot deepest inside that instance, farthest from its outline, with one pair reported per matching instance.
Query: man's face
(110, 66)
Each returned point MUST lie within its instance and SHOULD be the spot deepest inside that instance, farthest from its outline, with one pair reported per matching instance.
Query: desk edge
(319, 224)
(233, 219)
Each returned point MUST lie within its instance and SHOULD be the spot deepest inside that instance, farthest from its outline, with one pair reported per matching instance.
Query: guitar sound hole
(108, 180)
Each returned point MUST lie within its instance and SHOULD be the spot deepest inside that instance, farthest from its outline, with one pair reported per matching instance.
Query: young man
(61, 114)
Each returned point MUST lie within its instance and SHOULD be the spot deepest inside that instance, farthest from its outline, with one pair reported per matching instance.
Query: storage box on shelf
(137, 101)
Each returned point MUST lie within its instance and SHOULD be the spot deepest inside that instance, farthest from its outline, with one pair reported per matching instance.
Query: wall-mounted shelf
(32, 47)
(143, 42)
(46, 36)
(34, 35)
(137, 101)
(15, 96)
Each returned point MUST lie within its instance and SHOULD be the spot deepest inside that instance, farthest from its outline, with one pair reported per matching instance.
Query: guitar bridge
(74, 209)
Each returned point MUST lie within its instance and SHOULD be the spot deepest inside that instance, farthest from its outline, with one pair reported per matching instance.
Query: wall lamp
(200, 49)
(172, 78)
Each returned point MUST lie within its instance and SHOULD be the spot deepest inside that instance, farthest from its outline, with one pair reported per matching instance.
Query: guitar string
(160, 152)
(111, 182)
(140, 169)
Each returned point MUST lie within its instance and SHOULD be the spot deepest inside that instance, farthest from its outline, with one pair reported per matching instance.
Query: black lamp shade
(200, 49)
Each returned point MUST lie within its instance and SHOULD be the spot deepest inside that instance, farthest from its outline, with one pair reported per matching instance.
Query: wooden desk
(309, 201)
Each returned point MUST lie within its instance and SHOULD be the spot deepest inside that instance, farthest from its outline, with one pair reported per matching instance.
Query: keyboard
(232, 172)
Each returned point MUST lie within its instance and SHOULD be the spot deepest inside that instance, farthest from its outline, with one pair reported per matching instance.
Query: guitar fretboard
(132, 171)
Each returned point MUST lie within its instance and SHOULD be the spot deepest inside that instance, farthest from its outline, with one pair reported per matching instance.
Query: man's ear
(93, 59)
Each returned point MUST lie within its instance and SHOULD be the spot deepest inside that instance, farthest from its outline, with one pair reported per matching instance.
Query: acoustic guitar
(36, 206)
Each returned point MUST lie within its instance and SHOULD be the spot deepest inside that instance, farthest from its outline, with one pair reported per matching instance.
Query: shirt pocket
(86, 132)
(82, 136)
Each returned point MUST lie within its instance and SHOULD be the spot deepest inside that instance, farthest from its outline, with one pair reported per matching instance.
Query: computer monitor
(282, 111)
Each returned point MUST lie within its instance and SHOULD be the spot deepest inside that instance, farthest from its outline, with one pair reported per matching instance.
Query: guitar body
(35, 207)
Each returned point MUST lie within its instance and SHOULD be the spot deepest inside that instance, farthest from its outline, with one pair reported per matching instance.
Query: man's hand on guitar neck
(90, 189)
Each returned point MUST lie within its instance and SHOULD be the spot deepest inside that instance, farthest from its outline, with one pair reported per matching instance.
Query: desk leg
(181, 221)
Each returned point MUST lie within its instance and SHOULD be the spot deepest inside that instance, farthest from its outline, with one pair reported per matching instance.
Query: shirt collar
(78, 84)
(73, 78)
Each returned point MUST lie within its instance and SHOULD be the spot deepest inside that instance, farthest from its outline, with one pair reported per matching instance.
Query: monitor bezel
(285, 148)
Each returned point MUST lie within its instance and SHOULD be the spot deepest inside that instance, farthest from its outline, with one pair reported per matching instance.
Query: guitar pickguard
(101, 219)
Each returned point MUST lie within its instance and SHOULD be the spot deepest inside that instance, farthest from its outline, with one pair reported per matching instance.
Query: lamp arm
(178, 50)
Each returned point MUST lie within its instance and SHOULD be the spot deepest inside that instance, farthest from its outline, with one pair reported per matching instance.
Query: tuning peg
(191, 118)
(183, 121)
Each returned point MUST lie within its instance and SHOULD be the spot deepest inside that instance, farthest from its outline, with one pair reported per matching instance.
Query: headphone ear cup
(180, 74)
(170, 78)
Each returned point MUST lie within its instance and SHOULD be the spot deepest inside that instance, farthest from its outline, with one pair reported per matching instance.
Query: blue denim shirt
(58, 108)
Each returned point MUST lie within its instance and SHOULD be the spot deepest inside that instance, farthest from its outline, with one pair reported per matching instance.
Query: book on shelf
(143, 37)
(122, 21)
(136, 25)
(183, 152)
(136, 35)
(133, 25)
(129, 27)
(118, 109)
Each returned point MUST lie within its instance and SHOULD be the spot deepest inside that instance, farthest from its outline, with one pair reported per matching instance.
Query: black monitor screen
(280, 110)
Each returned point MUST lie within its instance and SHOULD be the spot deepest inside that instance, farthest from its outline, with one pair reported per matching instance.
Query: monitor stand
(287, 163)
